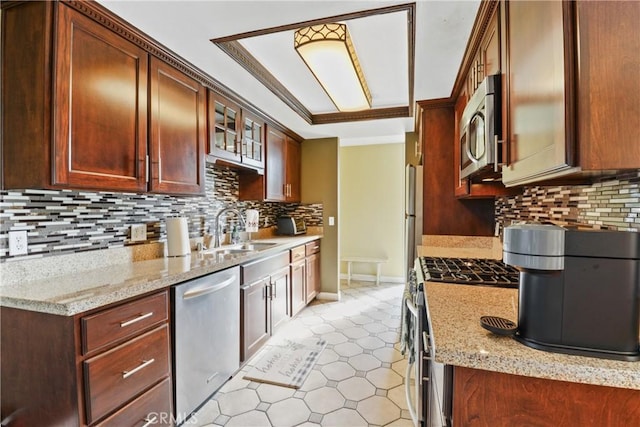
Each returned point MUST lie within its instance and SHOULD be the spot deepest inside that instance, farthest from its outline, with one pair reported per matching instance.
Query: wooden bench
(363, 259)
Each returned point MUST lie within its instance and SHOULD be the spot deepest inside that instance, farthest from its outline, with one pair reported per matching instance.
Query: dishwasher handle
(197, 292)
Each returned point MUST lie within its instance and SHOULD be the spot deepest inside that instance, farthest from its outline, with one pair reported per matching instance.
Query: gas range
(469, 271)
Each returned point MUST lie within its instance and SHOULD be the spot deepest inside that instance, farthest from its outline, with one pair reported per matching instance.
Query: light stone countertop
(71, 293)
(459, 340)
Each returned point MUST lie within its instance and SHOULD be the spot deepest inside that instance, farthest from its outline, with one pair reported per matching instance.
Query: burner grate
(470, 271)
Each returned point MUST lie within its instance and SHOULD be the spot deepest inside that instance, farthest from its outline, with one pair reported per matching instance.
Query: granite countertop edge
(459, 340)
(67, 295)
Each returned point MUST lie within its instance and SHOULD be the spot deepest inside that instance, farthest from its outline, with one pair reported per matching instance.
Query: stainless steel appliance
(206, 337)
(412, 212)
(480, 130)
(431, 402)
(430, 399)
(579, 289)
(290, 226)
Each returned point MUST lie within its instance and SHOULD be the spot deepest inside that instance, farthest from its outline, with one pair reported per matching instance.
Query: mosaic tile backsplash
(609, 203)
(67, 221)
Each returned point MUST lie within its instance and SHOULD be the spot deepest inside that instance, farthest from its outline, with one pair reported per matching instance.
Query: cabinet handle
(149, 421)
(496, 143)
(159, 169)
(144, 364)
(136, 319)
(273, 291)
(146, 168)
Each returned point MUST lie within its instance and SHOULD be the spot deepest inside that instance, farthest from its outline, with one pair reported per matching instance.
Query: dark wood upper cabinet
(178, 131)
(608, 73)
(253, 140)
(574, 91)
(236, 136)
(293, 160)
(281, 179)
(100, 115)
(84, 125)
(276, 166)
(224, 128)
(88, 109)
(487, 60)
(541, 75)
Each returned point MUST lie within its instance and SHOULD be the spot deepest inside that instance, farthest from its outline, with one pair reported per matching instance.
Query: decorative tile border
(609, 203)
(70, 221)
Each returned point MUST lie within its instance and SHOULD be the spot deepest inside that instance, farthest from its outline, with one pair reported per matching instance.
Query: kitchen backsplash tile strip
(70, 221)
(609, 203)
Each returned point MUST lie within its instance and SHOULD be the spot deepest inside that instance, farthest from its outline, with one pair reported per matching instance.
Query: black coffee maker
(579, 290)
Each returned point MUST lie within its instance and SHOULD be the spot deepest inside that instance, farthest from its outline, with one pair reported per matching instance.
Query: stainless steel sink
(257, 246)
(239, 249)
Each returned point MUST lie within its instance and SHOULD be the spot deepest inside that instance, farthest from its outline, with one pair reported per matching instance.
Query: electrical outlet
(138, 232)
(18, 242)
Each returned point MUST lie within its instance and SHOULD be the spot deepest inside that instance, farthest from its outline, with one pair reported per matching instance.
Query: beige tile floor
(358, 380)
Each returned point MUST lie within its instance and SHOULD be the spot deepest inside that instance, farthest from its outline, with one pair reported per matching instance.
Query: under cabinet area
(97, 368)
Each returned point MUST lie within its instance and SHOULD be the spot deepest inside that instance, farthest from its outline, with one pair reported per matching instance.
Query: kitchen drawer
(153, 407)
(124, 321)
(297, 253)
(261, 268)
(116, 376)
(312, 247)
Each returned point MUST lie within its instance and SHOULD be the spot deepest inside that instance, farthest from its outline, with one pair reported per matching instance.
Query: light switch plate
(18, 244)
(138, 232)
(332, 221)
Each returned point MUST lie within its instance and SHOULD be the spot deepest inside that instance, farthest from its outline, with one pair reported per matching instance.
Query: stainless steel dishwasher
(206, 337)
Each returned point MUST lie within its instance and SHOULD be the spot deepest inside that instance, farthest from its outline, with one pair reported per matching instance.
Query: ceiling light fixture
(329, 53)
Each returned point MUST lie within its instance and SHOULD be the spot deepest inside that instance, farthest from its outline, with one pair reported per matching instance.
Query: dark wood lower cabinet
(313, 281)
(254, 324)
(264, 301)
(47, 379)
(492, 399)
(278, 298)
(137, 412)
(298, 283)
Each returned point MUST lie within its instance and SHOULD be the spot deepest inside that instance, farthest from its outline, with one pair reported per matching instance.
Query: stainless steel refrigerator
(412, 213)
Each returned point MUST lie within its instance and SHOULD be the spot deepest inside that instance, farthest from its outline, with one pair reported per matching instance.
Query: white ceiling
(442, 29)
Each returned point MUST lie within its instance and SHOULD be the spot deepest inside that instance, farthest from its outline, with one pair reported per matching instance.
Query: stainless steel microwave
(480, 129)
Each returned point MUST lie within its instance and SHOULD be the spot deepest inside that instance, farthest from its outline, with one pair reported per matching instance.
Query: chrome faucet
(216, 241)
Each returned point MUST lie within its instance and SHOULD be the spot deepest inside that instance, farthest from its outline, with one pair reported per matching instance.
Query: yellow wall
(372, 206)
(319, 184)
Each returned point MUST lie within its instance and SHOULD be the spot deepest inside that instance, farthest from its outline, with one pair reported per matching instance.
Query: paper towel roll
(252, 221)
(178, 237)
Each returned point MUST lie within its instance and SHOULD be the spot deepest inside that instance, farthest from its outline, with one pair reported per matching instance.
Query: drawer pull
(149, 421)
(136, 319)
(144, 364)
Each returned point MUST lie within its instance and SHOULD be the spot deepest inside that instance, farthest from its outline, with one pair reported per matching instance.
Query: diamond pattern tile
(357, 381)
